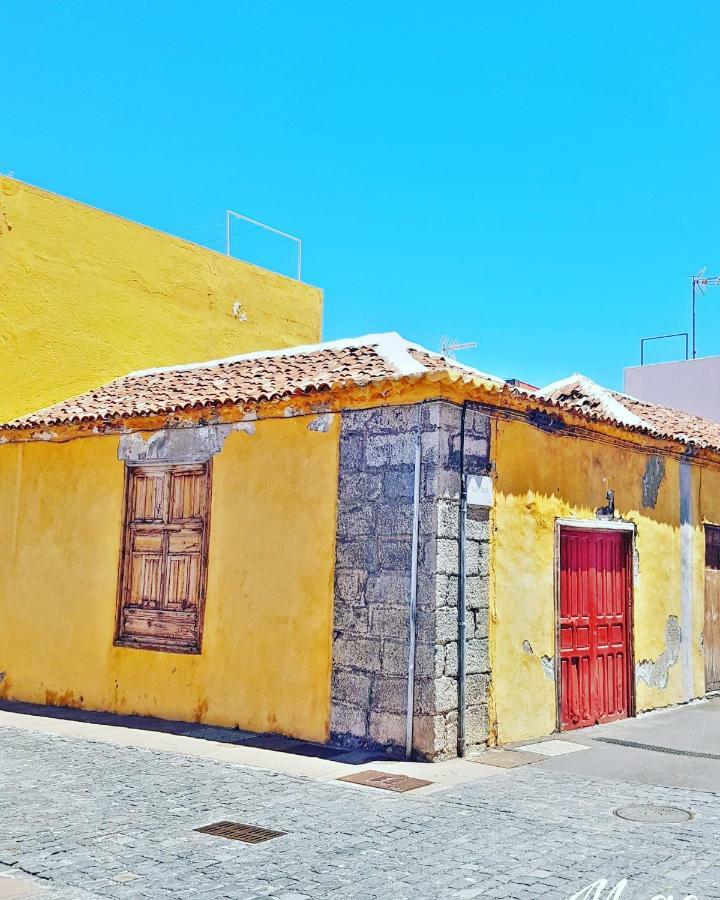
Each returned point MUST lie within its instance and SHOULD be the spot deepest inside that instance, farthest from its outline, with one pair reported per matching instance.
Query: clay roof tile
(246, 379)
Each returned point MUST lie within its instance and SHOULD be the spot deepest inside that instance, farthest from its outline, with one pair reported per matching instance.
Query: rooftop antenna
(450, 346)
(229, 213)
(699, 283)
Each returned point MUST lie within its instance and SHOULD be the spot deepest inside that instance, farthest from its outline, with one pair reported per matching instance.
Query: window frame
(141, 642)
(712, 543)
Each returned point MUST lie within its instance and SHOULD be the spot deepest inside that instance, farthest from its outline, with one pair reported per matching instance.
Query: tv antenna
(699, 283)
(450, 346)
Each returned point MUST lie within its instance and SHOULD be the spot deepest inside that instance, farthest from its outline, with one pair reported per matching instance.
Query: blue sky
(540, 178)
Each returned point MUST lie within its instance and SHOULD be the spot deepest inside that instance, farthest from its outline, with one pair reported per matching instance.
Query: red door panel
(594, 604)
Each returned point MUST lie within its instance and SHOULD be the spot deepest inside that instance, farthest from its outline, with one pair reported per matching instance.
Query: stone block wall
(372, 580)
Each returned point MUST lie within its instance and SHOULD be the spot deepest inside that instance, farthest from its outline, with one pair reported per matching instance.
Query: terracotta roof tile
(281, 374)
(580, 394)
(247, 379)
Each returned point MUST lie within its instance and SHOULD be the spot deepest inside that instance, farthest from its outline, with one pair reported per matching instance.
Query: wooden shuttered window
(164, 557)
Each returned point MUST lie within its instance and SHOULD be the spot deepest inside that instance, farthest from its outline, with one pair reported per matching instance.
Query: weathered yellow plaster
(541, 477)
(265, 661)
(86, 296)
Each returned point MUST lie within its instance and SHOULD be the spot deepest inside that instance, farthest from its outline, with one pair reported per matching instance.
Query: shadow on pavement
(199, 731)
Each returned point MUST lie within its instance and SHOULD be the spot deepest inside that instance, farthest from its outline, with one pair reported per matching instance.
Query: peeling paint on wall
(545, 421)
(547, 662)
(656, 673)
(238, 312)
(651, 480)
(247, 427)
(181, 445)
(320, 423)
(548, 666)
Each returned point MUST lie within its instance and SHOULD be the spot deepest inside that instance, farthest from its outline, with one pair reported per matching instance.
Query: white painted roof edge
(560, 383)
(611, 407)
(390, 345)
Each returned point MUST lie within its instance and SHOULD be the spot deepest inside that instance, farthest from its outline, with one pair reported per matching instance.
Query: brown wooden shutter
(164, 557)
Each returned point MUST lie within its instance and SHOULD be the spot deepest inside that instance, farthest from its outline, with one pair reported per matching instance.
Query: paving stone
(87, 815)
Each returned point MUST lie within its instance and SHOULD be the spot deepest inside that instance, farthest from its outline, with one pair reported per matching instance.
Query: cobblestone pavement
(87, 820)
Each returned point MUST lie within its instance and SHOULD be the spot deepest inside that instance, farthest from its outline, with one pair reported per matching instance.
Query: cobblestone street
(84, 820)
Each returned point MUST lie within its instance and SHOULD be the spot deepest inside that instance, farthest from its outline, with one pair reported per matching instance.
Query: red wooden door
(594, 628)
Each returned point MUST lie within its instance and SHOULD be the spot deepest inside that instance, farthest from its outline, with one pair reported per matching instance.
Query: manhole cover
(653, 815)
(387, 781)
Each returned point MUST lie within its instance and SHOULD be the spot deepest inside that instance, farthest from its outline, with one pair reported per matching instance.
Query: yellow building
(86, 296)
(361, 542)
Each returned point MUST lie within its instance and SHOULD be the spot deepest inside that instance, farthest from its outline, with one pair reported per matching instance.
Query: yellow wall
(539, 478)
(86, 296)
(265, 662)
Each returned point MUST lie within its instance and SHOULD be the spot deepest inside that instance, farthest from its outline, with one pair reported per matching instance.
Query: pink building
(689, 384)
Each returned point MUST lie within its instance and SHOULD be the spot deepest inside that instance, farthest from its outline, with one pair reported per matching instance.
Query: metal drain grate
(657, 749)
(235, 831)
(387, 781)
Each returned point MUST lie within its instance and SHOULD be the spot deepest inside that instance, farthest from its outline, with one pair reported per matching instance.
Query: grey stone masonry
(373, 578)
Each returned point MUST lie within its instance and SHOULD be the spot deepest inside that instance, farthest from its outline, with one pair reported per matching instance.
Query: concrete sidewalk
(674, 747)
(237, 748)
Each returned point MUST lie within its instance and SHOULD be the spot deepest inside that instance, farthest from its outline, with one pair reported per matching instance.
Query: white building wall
(692, 385)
